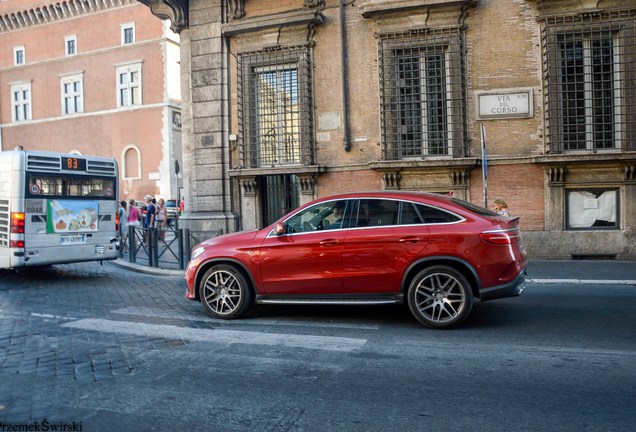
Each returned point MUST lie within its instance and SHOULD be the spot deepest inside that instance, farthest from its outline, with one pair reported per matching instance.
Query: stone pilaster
(205, 138)
(555, 197)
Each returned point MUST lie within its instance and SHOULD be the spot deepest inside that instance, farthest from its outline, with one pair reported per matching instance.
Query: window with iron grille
(274, 107)
(423, 96)
(591, 83)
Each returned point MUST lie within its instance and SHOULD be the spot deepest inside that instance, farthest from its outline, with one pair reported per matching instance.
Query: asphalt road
(105, 349)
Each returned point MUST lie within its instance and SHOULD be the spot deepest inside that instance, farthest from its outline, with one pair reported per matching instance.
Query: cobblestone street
(103, 348)
(68, 364)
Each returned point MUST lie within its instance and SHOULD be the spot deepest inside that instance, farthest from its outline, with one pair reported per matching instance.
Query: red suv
(435, 252)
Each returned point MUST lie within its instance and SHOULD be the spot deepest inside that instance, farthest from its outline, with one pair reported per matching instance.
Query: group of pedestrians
(130, 215)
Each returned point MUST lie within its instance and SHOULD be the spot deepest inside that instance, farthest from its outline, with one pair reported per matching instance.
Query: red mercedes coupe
(434, 252)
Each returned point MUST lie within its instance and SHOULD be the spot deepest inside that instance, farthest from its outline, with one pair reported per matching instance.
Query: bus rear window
(63, 187)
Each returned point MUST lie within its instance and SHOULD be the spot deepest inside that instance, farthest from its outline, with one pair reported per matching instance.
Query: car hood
(232, 237)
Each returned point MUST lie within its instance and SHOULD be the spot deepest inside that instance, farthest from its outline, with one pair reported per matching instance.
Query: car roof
(404, 195)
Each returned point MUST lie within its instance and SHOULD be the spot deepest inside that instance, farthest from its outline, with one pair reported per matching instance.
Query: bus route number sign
(73, 164)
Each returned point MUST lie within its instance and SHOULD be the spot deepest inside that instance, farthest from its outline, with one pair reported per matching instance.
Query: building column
(205, 143)
(250, 208)
(307, 183)
(555, 198)
(629, 213)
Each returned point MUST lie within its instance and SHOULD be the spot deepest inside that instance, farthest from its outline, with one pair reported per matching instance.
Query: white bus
(56, 208)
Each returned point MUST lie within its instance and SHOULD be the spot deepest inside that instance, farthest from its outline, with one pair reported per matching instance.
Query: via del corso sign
(516, 103)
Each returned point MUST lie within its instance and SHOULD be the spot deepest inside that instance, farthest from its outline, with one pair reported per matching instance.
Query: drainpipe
(345, 84)
(225, 134)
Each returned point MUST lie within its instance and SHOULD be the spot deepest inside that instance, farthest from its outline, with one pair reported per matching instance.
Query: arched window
(131, 163)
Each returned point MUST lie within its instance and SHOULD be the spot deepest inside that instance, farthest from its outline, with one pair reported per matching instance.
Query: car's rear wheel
(225, 292)
(440, 297)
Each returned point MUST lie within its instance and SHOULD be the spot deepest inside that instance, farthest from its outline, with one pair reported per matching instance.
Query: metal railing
(167, 248)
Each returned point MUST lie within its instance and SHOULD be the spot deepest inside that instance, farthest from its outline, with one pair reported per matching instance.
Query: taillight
(501, 237)
(17, 244)
(17, 223)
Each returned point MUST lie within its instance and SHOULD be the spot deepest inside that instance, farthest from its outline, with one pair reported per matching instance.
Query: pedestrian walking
(501, 207)
(161, 218)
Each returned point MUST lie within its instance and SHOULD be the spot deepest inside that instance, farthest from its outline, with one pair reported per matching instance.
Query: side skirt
(369, 299)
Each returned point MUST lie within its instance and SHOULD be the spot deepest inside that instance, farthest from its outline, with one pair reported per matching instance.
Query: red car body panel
(374, 259)
(316, 260)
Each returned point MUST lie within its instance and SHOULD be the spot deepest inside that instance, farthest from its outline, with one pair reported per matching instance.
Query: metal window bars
(590, 81)
(423, 94)
(274, 107)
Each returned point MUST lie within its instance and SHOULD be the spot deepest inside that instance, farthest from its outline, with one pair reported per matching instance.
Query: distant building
(98, 77)
(290, 100)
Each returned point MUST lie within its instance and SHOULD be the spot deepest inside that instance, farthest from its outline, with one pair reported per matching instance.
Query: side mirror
(279, 229)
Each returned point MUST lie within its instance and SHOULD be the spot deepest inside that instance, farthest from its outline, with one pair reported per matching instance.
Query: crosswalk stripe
(326, 343)
(159, 313)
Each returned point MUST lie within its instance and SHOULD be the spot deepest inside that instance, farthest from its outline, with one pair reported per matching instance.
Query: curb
(145, 269)
(581, 281)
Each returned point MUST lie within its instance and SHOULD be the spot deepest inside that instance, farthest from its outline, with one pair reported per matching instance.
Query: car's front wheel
(440, 297)
(225, 292)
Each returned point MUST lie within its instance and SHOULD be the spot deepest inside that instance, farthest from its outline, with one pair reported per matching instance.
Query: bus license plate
(73, 239)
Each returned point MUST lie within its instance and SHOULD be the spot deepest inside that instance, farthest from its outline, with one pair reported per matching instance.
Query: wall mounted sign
(517, 103)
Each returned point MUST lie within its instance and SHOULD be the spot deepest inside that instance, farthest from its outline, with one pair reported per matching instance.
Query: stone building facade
(292, 100)
(94, 77)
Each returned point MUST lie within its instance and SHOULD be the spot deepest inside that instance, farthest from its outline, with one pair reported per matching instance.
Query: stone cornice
(429, 164)
(298, 17)
(373, 8)
(57, 11)
(287, 169)
(617, 158)
(174, 10)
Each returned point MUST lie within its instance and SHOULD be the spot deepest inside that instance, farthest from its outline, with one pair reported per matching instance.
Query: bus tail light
(17, 244)
(17, 223)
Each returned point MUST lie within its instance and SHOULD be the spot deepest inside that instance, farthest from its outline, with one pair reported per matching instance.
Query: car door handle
(409, 239)
(329, 242)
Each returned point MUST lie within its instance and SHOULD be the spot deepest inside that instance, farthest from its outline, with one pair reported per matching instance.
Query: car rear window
(432, 215)
(473, 208)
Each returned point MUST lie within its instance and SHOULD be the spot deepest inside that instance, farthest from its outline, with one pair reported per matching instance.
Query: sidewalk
(582, 272)
(539, 271)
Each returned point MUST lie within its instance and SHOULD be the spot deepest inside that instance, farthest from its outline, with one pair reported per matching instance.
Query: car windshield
(171, 203)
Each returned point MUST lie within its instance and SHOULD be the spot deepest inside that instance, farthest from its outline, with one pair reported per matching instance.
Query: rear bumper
(510, 289)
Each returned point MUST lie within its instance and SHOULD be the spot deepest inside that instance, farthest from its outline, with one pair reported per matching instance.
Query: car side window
(378, 212)
(329, 215)
(410, 216)
(432, 215)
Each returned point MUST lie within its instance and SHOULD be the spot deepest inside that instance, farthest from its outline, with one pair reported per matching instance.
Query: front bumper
(189, 276)
(510, 289)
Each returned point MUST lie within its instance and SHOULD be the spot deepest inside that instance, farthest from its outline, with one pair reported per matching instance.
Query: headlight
(196, 252)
